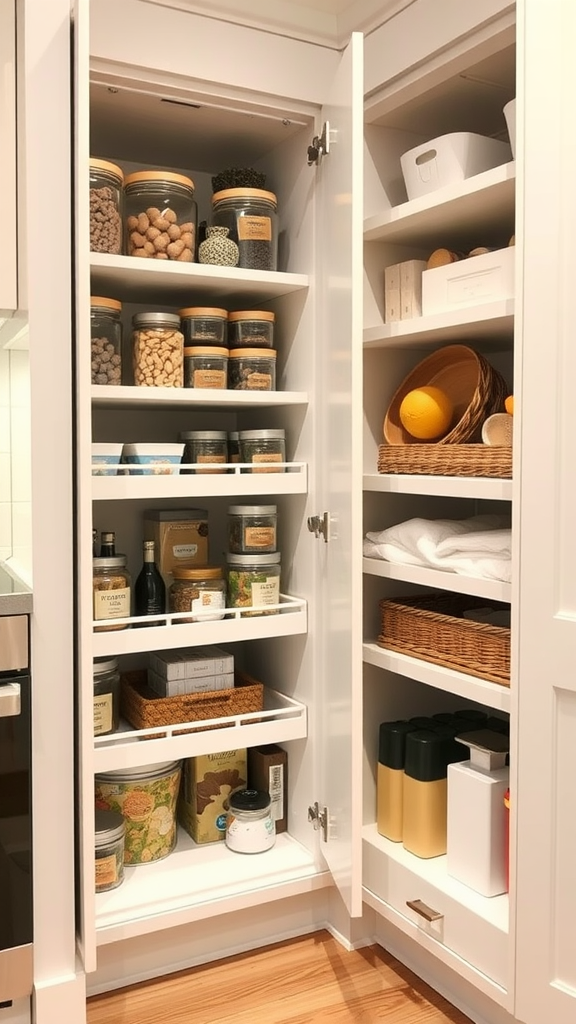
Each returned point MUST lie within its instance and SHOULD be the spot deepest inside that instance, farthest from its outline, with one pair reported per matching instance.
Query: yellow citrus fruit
(426, 413)
(509, 404)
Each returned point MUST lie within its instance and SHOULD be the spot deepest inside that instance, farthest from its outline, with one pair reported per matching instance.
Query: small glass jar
(161, 216)
(204, 325)
(251, 329)
(233, 446)
(111, 586)
(252, 529)
(254, 582)
(206, 367)
(264, 449)
(105, 207)
(205, 448)
(106, 340)
(250, 827)
(252, 222)
(110, 830)
(201, 590)
(157, 350)
(106, 696)
(252, 369)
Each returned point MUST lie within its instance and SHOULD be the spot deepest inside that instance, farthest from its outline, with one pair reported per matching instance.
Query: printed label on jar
(276, 790)
(260, 459)
(259, 228)
(209, 379)
(260, 537)
(112, 604)
(103, 705)
(266, 593)
(259, 381)
(250, 836)
(208, 599)
(106, 871)
(185, 550)
(210, 460)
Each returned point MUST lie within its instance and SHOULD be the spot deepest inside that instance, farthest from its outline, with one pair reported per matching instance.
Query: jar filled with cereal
(161, 216)
(106, 340)
(157, 350)
(105, 207)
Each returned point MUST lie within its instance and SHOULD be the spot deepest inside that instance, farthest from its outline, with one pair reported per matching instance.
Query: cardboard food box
(191, 662)
(268, 770)
(207, 782)
(198, 684)
(180, 537)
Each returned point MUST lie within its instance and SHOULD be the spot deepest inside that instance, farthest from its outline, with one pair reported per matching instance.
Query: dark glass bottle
(149, 589)
(107, 545)
(94, 543)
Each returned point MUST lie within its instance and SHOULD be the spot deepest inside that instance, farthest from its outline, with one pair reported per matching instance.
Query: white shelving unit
(182, 485)
(492, 590)
(485, 326)
(442, 486)
(129, 397)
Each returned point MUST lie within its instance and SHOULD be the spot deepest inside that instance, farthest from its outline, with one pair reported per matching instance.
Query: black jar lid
(427, 755)
(392, 743)
(478, 718)
(249, 800)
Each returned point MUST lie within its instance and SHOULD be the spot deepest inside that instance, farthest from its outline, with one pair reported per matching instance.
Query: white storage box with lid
(448, 159)
(469, 282)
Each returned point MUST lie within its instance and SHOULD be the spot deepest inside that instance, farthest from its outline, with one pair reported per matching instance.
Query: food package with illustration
(207, 782)
(180, 537)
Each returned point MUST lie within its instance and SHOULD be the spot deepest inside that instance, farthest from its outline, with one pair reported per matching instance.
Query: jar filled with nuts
(161, 216)
(157, 350)
(105, 207)
(111, 586)
(106, 344)
(201, 590)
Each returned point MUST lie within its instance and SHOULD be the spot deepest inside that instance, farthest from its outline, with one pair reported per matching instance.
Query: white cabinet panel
(8, 250)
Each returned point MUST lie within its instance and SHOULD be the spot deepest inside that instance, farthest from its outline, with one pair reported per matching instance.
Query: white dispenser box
(476, 847)
(449, 159)
(469, 282)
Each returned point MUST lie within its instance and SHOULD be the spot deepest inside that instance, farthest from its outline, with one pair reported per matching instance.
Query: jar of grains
(252, 369)
(201, 590)
(233, 446)
(254, 582)
(206, 367)
(204, 447)
(250, 827)
(157, 350)
(110, 829)
(105, 207)
(252, 529)
(106, 696)
(111, 586)
(204, 325)
(106, 340)
(251, 219)
(161, 215)
(264, 449)
(251, 329)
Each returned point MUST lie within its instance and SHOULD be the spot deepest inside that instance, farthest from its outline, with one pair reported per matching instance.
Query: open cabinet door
(339, 426)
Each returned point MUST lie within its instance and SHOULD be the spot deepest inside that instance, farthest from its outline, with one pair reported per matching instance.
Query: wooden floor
(310, 980)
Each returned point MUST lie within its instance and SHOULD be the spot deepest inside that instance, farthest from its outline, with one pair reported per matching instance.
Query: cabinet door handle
(424, 910)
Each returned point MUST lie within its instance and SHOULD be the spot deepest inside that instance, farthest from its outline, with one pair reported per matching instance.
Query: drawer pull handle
(424, 910)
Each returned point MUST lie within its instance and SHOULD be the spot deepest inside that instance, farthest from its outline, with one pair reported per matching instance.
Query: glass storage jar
(106, 340)
(250, 827)
(106, 696)
(105, 207)
(252, 529)
(251, 328)
(157, 350)
(110, 830)
(264, 449)
(254, 582)
(206, 367)
(233, 446)
(204, 447)
(198, 590)
(252, 222)
(204, 325)
(161, 215)
(111, 586)
(252, 369)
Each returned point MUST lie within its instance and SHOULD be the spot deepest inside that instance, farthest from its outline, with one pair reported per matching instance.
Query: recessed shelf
(490, 325)
(110, 488)
(440, 486)
(127, 397)
(492, 590)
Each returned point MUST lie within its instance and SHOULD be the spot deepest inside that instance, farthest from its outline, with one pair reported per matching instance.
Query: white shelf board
(453, 214)
(494, 909)
(490, 325)
(439, 486)
(167, 282)
(493, 590)
(127, 397)
(197, 485)
(196, 882)
(492, 695)
(290, 619)
(282, 719)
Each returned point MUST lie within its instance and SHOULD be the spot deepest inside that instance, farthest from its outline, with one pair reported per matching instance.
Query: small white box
(411, 288)
(198, 684)
(469, 282)
(191, 663)
(448, 159)
(476, 845)
(392, 293)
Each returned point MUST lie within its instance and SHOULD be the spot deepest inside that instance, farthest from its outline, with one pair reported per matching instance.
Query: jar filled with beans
(157, 350)
(206, 366)
(201, 590)
(252, 222)
(161, 216)
(105, 207)
(252, 369)
(106, 340)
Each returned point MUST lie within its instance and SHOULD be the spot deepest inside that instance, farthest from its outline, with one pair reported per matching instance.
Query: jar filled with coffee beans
(157, 350)
(105, 207)
(161, 216)
(201, 590)
(106, 340)
(251, 218)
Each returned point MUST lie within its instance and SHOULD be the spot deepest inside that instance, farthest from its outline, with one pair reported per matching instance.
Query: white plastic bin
(448, 159)
(469, 282)
(510, 115)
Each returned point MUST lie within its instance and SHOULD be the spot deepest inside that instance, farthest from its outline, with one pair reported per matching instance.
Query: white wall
(15, 468)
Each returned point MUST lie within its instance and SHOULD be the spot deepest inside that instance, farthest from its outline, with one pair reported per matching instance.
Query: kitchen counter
(15, 596)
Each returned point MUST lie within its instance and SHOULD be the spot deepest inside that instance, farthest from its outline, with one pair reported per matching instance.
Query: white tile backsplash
(21, 458)
(20, 379)
(6, 524)
(5, 480)
(21, 524)
(4, 377)
(4, 428)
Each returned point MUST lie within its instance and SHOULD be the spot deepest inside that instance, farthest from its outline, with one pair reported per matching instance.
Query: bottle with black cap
(390, 778)
(428, 753)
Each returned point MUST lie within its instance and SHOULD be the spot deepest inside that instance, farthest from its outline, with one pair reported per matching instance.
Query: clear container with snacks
(161, 216)
(252, 369)
(157, 350)
(111, 586)
(200, 590)
(206, 367)
(251, 329)
(252, 529)
(109, 835)
(264, 449)
(254, 582)
(106, 340)
(106, 696)
(207, 448)
(204, 325)
(250, 214)
(106, 181)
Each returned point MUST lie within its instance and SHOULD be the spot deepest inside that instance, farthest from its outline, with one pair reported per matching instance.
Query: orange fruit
(509, 404)
(426, 413)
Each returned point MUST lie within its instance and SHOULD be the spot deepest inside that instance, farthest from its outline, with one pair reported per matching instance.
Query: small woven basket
(144, 709)
(446, 460)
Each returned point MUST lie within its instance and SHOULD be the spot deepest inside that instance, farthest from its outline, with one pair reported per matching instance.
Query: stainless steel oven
(16, 914)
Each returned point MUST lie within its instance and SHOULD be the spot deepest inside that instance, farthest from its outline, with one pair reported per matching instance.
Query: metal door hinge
(320, 526)
(319, 819)
(320, 146)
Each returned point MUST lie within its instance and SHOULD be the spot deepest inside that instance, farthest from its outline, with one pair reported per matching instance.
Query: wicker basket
(431, 627)
(445, 460)
(144, 709)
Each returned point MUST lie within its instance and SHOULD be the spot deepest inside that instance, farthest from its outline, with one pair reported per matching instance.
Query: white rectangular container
(448, 159)
(469, 282)
(392, 293)
(411, 288)
(196, 684)
(191, 663)
(476, 848)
